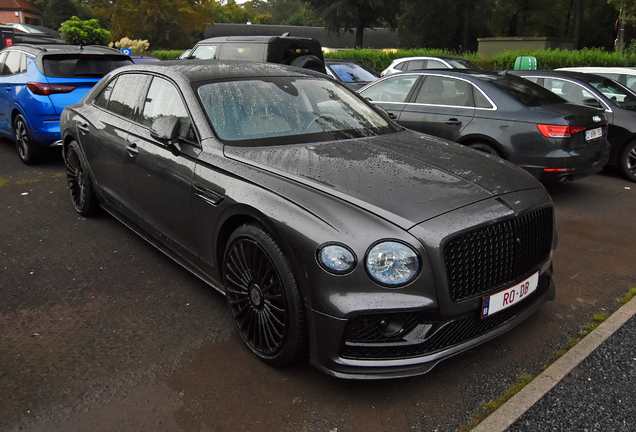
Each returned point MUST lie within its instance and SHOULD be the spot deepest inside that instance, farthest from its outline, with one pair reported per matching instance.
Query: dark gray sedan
(499, 114)
(334, 233)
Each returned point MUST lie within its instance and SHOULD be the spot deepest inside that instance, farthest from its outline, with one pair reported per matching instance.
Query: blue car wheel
(27, 149)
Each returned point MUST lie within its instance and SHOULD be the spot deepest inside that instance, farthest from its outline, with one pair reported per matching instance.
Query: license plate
(593, 134)
(509, 297)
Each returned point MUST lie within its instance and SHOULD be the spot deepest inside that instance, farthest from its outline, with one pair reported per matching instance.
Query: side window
(400, 66)
(445, 91)
(434, 64)
(571, 92)
(204, 52)
(125, 99)
(394, 89)
(104, 97)
(631, 82)
(12, 64)
(163, 99)
(480, 99)
(3, 57)
(416, 65)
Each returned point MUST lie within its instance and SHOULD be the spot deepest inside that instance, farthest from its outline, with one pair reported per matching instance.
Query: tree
(164, 23)
(357, 14)
(78, 32)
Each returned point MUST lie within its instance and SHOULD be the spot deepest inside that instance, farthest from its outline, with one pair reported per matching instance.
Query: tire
(485, 148)
(263, 297)
(627, 161)
(79, 182)
(309, 62)
(28, 150)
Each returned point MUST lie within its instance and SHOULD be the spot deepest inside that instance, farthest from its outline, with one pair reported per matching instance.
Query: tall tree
(347, 15)
(164, 23)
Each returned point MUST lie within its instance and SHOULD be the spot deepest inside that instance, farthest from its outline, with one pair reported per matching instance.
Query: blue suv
(38, 81)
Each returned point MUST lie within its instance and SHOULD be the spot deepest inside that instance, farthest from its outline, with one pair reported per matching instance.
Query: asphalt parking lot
(101, 332)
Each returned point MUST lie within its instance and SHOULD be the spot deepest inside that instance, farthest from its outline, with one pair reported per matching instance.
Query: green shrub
(167, 54)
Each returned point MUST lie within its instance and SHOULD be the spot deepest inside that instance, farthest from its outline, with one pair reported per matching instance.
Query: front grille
(494, 257)
(364, 339)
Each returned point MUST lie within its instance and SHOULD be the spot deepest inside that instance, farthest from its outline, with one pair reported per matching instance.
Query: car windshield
(82, 65)
(287, 110)
(526, 92)
(615, 92)
(352, 73)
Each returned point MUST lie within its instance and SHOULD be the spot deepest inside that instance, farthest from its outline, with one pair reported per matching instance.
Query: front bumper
(426, 343)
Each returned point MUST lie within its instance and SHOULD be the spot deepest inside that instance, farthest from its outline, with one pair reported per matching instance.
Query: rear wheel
(263, 296)
(79, 182)
(485, 148)
(28, 150)
(627, 161)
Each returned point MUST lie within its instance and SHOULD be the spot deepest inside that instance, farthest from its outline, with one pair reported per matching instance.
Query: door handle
(83, 128)
(453, 122)
(392, 116)
(132, 150)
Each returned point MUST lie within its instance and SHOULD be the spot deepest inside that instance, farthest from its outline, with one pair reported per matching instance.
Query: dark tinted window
(526, 92)
(104, 96)
(163, 99)
(13, 64)
(82, 66)
(242, 51)
(416, 64)
(445, 91)
(126, 95)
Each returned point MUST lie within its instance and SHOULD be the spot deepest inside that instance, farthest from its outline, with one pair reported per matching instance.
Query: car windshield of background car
(462, 64)
(82, 66)
(612, 90)
(289, 109)
(526, 92)
(351, 73)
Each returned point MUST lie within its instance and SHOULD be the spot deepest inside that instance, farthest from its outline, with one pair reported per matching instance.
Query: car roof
(202, 70)
(427, 58)
(601, 69)
(48, 49)
(461, 73)
(252, 39)
(580, 76)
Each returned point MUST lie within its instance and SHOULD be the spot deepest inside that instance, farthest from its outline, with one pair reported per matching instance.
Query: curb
(515, 407)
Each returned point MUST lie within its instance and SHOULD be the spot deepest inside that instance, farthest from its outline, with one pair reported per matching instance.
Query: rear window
(82, 66)
(526, 92)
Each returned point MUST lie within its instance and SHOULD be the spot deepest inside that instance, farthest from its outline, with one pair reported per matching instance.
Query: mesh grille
(492, 257)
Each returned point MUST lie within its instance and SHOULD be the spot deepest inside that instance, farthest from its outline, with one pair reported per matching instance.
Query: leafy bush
(78, 32)
(167, 54)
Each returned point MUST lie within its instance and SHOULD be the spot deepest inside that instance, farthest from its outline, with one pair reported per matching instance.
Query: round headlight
(393, 264)
(336, 258)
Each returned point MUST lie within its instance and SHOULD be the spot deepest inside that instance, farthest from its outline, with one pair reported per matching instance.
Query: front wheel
(627, 161)
(28, 150)
(484, 148)
(79, 182)
(263, 296)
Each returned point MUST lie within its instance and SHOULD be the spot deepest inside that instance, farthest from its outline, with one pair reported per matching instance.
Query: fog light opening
(391, 326)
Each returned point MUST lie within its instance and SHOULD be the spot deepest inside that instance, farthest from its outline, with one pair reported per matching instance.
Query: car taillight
(45, 89)
(556, 131)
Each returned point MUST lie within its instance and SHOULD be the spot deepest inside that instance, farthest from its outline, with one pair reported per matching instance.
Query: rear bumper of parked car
(565, 165)
(457, 334)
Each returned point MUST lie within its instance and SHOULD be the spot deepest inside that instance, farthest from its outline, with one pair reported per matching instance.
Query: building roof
(18, 5)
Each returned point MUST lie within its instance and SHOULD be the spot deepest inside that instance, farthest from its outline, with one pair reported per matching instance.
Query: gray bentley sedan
(335, 234)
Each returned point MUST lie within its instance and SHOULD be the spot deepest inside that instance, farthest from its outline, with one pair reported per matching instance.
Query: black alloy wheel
(628, 161)
(79, 182)
(27, 148)
(263, 296)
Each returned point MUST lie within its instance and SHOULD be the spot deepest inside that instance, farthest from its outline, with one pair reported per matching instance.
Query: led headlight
(393, 264)
(336, 258)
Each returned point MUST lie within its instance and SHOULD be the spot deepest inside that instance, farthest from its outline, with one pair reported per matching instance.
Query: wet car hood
(405, 177)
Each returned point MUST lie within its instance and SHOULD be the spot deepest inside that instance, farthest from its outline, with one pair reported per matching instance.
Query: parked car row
(337, 230)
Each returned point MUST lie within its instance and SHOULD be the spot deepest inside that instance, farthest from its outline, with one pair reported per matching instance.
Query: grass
(525, 378)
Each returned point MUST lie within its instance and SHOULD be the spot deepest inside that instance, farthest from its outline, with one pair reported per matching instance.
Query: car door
(391, 93)
(159, 177)
(103, 132)
(442, 106)
(12, 62)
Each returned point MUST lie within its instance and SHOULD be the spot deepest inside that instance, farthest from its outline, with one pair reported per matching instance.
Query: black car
(290, 50)
(501, 114)
(333, 232)
(350, 73)
(618, 102)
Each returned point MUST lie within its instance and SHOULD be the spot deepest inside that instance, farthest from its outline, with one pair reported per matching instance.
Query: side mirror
(591, 102)
(167, 130)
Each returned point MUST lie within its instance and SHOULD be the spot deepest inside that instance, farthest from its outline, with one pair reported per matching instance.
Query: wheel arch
(474, 139)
